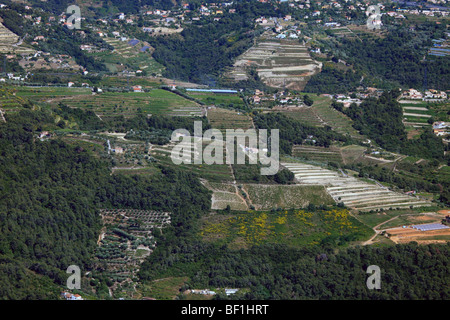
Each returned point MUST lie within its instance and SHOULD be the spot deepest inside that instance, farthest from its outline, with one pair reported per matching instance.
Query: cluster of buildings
(71, 296)
(431, 12)
(428, 95)
(211, 293)
(441, 128)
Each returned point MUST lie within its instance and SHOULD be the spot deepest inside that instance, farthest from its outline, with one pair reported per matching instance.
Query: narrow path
(377, 232)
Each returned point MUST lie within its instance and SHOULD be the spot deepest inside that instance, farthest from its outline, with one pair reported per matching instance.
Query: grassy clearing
(163, 289)
(352, 153)
(266, 197)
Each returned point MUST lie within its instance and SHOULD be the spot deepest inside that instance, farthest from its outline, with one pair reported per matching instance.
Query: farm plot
(279, 63)
(218, 99)
(126, 240)
(8, 41)
(333, 118)
(304, 114)
(212, 172)
(408, 234)
(353, 192)
(224, 195)
(9, 101)
(321, 114)
(223, 119)
(111, 104)
(139, 56)
(331, 154)
(415, 113)
(267, 196)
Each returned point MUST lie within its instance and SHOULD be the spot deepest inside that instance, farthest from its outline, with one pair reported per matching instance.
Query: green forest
(284, 273)
(50, 196)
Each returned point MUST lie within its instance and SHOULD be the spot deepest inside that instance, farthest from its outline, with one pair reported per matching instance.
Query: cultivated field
(218, 99)
(321, 114)
(408, 234)
(279, 63)
(268, 196)
(213, 172)
(138, 56)
(111, 104)
(9, 41)
(228, 119)
(353, 192)
(321, 154)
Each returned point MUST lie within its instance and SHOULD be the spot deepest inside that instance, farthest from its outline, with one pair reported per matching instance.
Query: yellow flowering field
(295, 227)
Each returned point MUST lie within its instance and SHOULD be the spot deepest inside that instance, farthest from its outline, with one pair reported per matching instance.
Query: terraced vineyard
(353, 192)
(10, 101)
(304, 114)
(335, 119)
(8, 41)
(321, 114)
(279, 63)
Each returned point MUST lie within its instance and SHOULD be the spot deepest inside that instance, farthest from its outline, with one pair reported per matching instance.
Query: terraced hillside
(353, 192)
(415, 113)
(9, 41)
(132, 53)
(278, 62)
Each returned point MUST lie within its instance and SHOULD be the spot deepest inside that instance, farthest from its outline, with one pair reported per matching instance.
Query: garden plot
(351, 191)
(279, 63)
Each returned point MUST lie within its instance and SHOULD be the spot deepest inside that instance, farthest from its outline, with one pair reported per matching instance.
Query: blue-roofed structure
(430, 226)
(213, 90)
(145, 48)
(133, 42)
